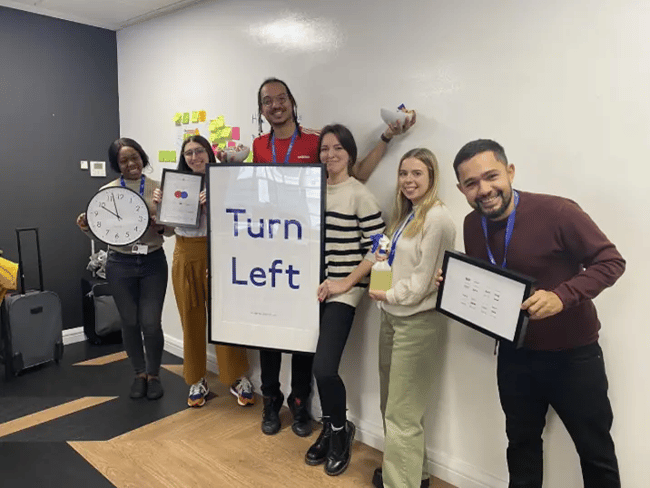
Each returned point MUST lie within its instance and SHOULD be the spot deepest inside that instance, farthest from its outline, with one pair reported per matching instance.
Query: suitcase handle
(20, 257)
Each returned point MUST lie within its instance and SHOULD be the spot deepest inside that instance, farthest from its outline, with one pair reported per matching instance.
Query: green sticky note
(186, 118)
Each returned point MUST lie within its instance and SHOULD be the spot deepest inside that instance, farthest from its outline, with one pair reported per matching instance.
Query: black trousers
(301, 364)
(574, 383)
(336, 322)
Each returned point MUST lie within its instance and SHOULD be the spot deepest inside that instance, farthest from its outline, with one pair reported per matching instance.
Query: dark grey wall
(58, 106)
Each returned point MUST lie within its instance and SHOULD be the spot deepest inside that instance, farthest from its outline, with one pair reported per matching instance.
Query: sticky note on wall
(178, 117)
(202, 115)
(235, 134)
(195, 117)
(186, 118)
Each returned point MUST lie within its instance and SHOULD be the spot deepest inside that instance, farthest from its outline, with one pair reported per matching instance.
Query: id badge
(139, 249)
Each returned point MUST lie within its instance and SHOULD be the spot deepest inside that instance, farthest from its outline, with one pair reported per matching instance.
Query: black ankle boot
(340, 451)
(271, 414)
(301, 418)
(378, 480)
(317, 453)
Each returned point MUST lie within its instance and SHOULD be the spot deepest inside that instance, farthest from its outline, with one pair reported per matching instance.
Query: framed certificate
(485, 297)
(180, 201)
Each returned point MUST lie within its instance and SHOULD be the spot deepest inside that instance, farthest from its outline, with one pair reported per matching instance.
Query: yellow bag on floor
(8, 277)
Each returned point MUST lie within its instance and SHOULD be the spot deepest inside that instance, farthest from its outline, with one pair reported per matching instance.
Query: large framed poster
(266, 238)
(485, 297)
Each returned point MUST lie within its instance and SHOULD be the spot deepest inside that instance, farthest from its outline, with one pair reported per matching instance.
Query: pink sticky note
(232, 143)
(234, 135)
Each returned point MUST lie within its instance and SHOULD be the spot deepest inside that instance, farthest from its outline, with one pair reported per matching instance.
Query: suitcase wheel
(58, 352)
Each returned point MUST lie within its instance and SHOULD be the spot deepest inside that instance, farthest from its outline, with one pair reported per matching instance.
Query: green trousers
(406, 370)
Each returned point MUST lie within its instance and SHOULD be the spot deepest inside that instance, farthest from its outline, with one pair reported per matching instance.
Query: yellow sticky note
(196, 132)
(220, 121)
(213, 138)
(178, 117)
(213, 125)
(195, 117)
(186, 118)
(202, 115)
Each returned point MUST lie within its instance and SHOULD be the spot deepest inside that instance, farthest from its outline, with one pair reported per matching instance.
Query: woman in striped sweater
(352, 216)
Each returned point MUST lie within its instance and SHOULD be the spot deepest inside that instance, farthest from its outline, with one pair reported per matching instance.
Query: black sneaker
(340, 451)
(154, 389)
(378, 480)
(270, 416)
(138, 387)
(317, 453)
(301, 419)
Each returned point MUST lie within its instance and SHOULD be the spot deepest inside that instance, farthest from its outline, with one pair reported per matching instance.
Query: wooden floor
(218, 445)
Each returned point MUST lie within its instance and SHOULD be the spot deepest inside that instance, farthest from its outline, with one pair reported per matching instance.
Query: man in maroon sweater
(561, 364)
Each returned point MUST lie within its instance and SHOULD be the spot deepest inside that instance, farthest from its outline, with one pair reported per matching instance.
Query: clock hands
(111, 212)
(117, 214)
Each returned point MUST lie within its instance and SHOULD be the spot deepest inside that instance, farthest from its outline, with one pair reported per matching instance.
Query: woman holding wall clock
(137, 272)
(190, 288)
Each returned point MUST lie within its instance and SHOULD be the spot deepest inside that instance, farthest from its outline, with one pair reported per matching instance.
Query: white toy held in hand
(235, 154)
(393, 116)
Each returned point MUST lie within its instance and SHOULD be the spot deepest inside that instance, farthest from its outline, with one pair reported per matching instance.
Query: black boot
(270, 415)
(301, 418)
(317, 453)
(378, 480)
(340, 451)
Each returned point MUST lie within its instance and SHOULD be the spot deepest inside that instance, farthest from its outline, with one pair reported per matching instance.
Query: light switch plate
(84, 164)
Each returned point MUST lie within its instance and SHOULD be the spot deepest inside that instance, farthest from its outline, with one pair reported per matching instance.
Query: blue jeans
(138, 283)
(574, 383)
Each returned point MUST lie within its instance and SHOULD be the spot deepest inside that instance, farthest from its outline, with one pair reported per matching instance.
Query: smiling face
(486, 183)
(130, 163)
(335, 158)
(277, 107)
(413, 179)
(196, 157)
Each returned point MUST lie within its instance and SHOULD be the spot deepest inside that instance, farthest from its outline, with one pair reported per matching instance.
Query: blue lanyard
(398, 234)
(123, 183)
(510, 225)
(293, 139)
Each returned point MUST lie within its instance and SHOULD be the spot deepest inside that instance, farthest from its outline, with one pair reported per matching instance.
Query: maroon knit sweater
(557, 243)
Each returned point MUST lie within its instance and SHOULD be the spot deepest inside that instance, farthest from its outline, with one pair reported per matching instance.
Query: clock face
(117, 216)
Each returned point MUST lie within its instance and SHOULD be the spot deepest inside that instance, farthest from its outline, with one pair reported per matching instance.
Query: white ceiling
(109, 14)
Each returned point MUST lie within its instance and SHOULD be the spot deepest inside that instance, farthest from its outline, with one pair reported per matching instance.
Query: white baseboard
(72, 336)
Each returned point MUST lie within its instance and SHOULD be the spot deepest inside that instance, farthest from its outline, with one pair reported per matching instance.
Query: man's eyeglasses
(268, 101)
(194, 152)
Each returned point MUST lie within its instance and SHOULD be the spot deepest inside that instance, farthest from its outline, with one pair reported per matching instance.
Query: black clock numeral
(102, 204)
(140, 218)
(120, 196)
(128, 235)
(107, 231)
(117, 236)
(137, 208)
(99, 224)
(96, 213)
(136, 228)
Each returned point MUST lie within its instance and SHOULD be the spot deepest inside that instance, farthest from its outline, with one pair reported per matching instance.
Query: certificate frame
(485, 297)
(243, 198)
(172, 211)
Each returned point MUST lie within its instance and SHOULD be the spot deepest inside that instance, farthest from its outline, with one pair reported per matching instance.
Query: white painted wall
(562, 85)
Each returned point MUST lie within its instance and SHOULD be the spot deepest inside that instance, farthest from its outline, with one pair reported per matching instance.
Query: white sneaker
(198, 392)
(243, 390)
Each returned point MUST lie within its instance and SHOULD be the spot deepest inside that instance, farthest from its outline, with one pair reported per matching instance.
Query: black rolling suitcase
(102, 322)
(32, 322)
